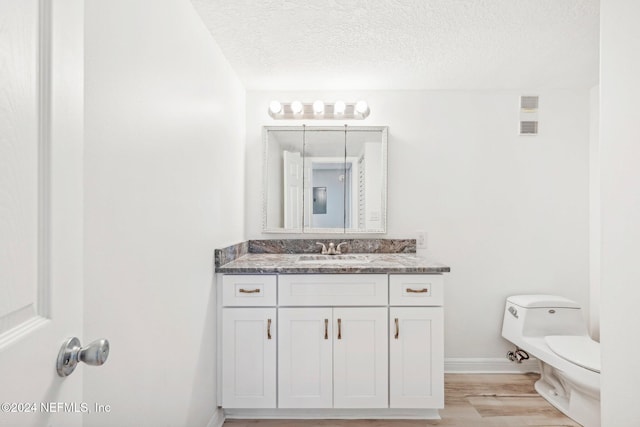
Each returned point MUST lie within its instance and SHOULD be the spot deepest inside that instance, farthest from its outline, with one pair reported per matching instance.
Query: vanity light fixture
(319, 110)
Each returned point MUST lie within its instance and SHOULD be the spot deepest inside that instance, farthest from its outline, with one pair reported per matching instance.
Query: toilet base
(547, 391)
(567, 399)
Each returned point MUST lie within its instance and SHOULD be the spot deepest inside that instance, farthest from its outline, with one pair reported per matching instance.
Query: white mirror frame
(383, 217)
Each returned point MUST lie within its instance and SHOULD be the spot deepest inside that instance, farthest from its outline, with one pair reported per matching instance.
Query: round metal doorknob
(71, 353)
(95, 353)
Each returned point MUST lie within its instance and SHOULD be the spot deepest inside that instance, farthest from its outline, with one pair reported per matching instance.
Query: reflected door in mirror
(292, 190)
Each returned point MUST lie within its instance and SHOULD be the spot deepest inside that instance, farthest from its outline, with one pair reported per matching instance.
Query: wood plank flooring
(471, 400)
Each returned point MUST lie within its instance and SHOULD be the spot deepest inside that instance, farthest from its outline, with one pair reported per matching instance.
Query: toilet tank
(541, 315)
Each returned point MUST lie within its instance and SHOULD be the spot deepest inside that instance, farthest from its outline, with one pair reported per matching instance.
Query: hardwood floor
(496, 400)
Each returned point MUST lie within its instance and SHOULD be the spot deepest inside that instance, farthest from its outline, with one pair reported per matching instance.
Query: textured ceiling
(407, 44)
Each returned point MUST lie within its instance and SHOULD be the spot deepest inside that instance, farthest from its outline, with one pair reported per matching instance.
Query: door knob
(71, 353)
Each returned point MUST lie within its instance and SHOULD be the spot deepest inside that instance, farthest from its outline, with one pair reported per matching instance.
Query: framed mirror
(325, 179)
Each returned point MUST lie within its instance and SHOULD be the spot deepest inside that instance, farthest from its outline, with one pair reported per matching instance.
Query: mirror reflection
(325, 179)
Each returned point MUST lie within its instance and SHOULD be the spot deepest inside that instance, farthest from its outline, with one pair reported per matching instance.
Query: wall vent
(529, 103)
(529, 114)
(529, 128)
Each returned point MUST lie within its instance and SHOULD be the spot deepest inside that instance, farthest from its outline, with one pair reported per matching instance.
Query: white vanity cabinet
(416, 343)
(416, 364)
(305, 365)
(344, 342)
(249, 338)
(360, 358)
(332, 357)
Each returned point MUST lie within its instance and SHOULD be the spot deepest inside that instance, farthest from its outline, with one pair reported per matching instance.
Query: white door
(305, 367)
(360, 355)
(41, 116)
(249, 357)
(416, 351)
(292, 190)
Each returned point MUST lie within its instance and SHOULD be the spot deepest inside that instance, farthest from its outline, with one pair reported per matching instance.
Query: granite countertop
(371, 263)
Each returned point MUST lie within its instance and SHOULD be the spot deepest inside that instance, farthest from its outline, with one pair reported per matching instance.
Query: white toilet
(553, 329)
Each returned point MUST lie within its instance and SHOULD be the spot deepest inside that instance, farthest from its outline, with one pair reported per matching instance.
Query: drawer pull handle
(417, 291)
(268, 329)
(249, 291)
(339, 329)
(397, 329)
(326, 329)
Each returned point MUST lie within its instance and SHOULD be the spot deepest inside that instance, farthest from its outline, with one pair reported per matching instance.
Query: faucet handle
(338, 251)
(324, 248)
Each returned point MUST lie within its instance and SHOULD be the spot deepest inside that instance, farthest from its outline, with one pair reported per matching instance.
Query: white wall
(509, 214)
(595, 217)
(164, 182)
(620, 181)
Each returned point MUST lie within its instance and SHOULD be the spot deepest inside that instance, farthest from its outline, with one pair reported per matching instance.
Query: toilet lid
(580, 350)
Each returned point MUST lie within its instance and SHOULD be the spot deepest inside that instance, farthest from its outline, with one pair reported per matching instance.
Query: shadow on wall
(204, 378)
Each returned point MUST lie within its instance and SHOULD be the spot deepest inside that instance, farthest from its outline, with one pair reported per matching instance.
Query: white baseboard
(333, 413)
(217, 419)
(487, 365)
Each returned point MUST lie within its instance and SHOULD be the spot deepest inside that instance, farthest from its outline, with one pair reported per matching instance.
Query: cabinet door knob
(326, 329)
(417, 291)
(339, 329)
(268, 329)
(397, 329)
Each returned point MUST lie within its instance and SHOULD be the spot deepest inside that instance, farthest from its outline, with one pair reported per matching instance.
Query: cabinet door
(360, 358)
(416, 351)
(249, 358)
(305, 358)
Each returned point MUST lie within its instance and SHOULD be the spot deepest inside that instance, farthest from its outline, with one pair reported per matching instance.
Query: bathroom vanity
(358, 335)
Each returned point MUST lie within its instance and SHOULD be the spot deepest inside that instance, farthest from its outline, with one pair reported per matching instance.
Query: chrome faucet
(324, 248)
(333, 249)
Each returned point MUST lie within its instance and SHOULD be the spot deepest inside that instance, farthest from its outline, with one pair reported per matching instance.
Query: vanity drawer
(248, 290)
(332, 289)
(416, 289)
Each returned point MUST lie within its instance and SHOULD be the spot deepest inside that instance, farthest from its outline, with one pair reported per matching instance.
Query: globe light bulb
(362, 107)
(296, 107)
(275, 107)
(318, 107)
(339, 107)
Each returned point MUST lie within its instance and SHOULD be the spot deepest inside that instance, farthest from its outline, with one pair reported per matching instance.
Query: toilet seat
(579, 350)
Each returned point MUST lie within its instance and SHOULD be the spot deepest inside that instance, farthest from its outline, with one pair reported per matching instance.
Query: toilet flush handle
(513, 311)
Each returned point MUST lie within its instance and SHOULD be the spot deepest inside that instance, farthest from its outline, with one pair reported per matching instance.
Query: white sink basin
(333, 259)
